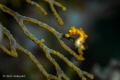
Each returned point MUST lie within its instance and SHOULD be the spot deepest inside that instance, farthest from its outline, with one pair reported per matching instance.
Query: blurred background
(100, 19)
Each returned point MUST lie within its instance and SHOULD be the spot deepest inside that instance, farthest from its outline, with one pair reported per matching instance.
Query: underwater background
(100, 19)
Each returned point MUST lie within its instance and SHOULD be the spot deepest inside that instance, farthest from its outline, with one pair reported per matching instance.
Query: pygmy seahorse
(80, 40)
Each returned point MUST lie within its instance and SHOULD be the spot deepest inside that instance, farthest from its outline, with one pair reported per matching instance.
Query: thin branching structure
(14, 45)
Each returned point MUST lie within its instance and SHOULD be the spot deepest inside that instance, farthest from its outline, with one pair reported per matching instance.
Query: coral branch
(13, 45)
(51, 3)
(13, 52)
(38, 6)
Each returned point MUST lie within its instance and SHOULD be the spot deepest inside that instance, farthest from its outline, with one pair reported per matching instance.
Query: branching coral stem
(13, 45)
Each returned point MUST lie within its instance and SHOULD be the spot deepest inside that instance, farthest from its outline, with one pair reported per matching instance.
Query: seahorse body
(80, 40)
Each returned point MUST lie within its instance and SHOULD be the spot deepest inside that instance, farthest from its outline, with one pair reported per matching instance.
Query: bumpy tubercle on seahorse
(79, 41)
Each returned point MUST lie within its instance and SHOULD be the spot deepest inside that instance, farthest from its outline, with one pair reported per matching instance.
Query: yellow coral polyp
(79, 41)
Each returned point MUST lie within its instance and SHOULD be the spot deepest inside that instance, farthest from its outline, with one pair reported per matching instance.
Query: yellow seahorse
(80, 40)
